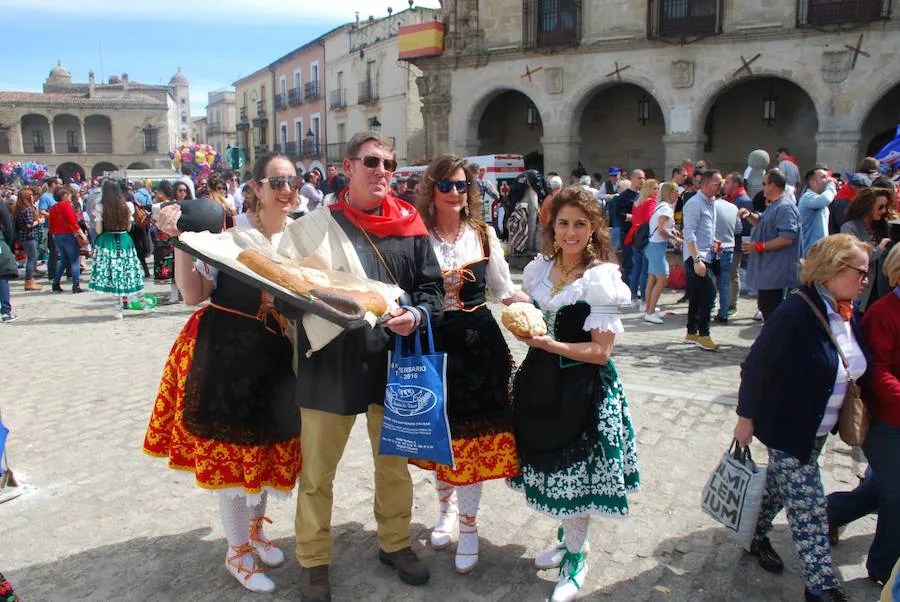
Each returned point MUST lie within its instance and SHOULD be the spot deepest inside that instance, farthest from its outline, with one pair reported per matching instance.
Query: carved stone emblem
(437, 83)
(554, 80)
(682, 74)
(835, 65)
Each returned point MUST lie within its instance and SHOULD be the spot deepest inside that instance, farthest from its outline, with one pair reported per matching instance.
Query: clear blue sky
(215, 42)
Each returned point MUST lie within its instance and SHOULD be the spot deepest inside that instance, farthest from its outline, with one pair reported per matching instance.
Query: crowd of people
(254, 405)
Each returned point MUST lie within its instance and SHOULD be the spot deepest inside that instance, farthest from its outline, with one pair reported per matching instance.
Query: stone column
(52, 137)
(839, 150)
(560, 153)
(680, 147)
(16, 143)
(83, 139)
(436, 114)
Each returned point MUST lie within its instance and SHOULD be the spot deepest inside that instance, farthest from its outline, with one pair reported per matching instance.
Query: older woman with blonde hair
(881, 490)
(793, 384)
(662, 231)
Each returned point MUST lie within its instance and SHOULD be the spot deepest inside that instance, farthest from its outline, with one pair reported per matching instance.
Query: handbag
(82, 239)
(733, 494)
(141, 216)
(853, 424)
(415, 423)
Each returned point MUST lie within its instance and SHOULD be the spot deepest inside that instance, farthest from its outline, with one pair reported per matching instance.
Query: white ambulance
(501, 171)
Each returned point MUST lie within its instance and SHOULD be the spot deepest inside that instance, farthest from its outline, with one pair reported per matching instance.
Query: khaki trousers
(323, 438)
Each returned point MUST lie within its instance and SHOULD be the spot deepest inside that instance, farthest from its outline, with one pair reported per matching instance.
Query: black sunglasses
(219, 188)
(181, 189)
(278, 182)
(863, 274)
(371, 161)
(445, 185)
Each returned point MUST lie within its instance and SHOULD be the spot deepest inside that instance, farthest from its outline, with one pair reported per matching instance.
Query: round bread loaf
(524, 320)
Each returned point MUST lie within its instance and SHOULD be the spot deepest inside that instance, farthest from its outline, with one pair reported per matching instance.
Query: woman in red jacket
(640, 215)
(881, 490)
(65, 232)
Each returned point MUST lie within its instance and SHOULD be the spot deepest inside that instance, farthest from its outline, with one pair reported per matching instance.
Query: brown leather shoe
(410, 569)
(315, 586)
(31, 285)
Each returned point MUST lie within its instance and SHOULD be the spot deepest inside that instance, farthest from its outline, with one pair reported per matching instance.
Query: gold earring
(556, 246)
(590, 248)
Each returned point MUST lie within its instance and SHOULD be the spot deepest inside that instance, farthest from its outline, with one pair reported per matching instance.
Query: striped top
(843, 334)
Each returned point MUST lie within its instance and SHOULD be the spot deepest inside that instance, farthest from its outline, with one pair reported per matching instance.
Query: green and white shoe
(572, 573)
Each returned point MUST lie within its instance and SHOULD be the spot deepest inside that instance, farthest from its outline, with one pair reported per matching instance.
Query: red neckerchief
(397, 218)
(741, 190)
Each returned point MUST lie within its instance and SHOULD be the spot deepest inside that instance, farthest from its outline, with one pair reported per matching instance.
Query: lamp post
(375, 124)
(770, 102)
(644, 109)
(311, 142)
(532, 117)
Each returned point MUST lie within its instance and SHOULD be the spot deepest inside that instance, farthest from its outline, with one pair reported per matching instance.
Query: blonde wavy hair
(830, 256)
(645, 191)
(892, 266)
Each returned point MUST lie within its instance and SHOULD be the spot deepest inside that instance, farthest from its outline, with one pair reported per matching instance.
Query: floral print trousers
(797, 488)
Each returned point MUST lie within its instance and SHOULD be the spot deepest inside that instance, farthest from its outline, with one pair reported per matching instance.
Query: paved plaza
(102, 521)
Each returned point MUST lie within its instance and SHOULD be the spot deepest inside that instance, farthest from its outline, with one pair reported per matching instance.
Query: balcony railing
(242, 125)
(681, 18)
(311, 91)
(311, 149)
(261, 108)
(280, 101)
(334, 153)
(338, 99)
(259, 151)
(30, 147)
(295, 97)
(65, 147)
(277, 148)
(551, 23)
(243, 113)
(98, 147)
(812, 13)
(368, 91)
(290, 149)
(151, 148)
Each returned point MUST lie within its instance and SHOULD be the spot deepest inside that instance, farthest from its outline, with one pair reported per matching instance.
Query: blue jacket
(788, 376)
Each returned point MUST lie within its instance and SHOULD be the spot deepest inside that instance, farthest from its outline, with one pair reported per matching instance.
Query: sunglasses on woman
(221, 188)
(278, 182)
(863, 274)
(371, 161)
(446, 185)
(182, 190)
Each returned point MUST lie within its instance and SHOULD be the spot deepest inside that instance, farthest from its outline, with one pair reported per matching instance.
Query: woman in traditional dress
(163, 252)
(116, 270)
(225, 409)
(479, 364)
(572, 424)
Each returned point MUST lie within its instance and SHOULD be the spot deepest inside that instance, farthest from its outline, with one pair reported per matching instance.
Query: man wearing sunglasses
(773, 263)
(348, 376)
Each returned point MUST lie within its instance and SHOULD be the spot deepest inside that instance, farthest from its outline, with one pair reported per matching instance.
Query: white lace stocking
(576, 532)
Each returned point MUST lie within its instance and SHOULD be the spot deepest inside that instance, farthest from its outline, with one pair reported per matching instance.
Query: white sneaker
(635, 304)
(653, 318)
(269, 553)
(118, 315)
(572, 573)
(240, 563)
(642, 306)
(758, 316)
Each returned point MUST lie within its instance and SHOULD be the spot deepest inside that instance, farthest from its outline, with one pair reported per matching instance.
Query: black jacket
(789, 375)
(8, 267)
(350, 373)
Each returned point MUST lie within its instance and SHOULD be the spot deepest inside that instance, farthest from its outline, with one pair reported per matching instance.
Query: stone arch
(879, 84)
(138, 165)
(35, 133)
(98, 169)
(66, 172)
(475, 111)
(98, 134)
(610, 111)
(582, 96)
(715, 87)
(730, 121)
(67, 133)
(879, 123)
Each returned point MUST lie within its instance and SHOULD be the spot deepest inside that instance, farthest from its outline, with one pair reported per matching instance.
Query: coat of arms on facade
(554, 80)
(835, 65)
(682, 74)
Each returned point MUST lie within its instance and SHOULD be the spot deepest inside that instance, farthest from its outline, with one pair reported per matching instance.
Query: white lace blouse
(468, 249)
(601, 287)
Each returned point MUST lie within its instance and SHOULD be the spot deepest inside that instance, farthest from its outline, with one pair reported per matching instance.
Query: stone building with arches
(86, 129)
(650, 84)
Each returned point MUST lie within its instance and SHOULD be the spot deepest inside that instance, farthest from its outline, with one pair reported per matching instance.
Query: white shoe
(118, 315)
(758, 316)
(643, 306)
(269, 553)
(572, 573)
(552, 558)
(442, 534)
(240, 563)
(467, 549)
(635, 303)
(653, 318)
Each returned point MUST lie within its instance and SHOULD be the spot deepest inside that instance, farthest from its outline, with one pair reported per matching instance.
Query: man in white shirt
(814, 207)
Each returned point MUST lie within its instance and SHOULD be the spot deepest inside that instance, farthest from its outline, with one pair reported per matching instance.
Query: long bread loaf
(277, 273)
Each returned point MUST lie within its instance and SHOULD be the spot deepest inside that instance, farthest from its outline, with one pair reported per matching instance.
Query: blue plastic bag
(3, 433)
(415, 412)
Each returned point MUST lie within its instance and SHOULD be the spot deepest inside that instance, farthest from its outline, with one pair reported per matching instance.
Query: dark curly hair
(862, 206)
(576, 196)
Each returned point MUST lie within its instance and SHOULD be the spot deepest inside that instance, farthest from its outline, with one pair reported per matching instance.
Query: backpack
(642, 235)
(141, 217)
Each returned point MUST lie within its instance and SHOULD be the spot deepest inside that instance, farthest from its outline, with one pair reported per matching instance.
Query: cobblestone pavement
(102, 521)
